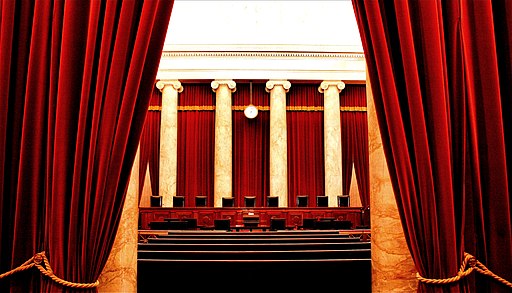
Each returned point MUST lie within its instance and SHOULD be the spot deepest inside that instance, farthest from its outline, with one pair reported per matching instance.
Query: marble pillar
(223, 180)
(120, 271)
(392, 266)
(168, 139)
(278, 140)
(332, 139)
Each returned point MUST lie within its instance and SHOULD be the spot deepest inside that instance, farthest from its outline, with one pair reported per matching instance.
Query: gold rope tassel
(472, 264)
(36, 261)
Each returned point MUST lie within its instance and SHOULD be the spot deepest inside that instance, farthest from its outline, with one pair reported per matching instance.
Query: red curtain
(76, 77)
(150, 144)
(305, 131)
(251, 145)
(441, 75)
(196, 143)
(354, 138)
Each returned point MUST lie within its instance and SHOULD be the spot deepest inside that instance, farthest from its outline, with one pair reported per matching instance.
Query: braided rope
(472, 264)
(46, 270)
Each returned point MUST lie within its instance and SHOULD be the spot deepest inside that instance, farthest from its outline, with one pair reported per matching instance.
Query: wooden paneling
(206, 216)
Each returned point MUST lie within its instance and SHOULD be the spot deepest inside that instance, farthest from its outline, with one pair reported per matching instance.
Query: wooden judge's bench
(295, 217)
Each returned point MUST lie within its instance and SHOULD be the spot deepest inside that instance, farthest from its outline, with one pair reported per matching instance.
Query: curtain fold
(196, 143)
(150, 144)
(251, 145)
(441, 76)
(75, 78)
(354, 137)
(305, 131)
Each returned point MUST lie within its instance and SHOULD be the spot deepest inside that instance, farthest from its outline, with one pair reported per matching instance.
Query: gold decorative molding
(267, 108)
(155, 108)
(353, 109)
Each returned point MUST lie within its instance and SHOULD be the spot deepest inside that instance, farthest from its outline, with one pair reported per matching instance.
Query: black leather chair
(228, 202)
(277, 224)
(302, 201)
(178, 201)
(200, 201)
(322, 201)
(272, 201)
(343, 200)
(250, 201)
(222, 224)
(155, 201)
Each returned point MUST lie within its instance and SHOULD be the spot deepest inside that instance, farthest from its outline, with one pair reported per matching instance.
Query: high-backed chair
(272, 201)
(178, 201)
(322, 201)
(302, 200)
(155, 201)
(228, 202)
(200, 201)
(343, 200)
(250, 201)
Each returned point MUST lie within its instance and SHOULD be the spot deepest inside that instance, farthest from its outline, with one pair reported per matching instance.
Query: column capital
(340, 85)
(271, 83)
(229, 82)
(176, 84)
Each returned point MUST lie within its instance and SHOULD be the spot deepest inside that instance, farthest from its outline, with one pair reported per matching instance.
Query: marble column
(392, 266)
(332, 139)
(278, 140)
(223, 181)
(168, 139)
(120, 271)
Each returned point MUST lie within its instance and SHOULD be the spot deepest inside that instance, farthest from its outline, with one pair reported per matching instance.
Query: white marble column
(168, 139)
(332, 139)
(120, 271)
(223, 181)
(392, 266)
(278, 140)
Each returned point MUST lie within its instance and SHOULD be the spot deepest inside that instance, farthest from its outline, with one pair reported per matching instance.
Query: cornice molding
(172, 54)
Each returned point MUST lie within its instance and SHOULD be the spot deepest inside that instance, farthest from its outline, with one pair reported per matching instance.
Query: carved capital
(229, 82)
(340, 85)
(272, 83)
(176, 84)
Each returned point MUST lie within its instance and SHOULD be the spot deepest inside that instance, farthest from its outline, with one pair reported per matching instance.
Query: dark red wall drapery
(441, 76)
(76, 77)
(196, 143)
(150, 144)
(354, 138)
(305, 131)
(251, 139)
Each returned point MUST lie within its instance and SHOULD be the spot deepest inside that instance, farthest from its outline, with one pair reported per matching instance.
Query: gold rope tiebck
(36, 261)
(472, 264)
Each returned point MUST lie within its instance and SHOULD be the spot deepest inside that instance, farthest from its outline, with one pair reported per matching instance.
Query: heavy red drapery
(196, 143)
(150, 144)
(354, 138)
(76, 77)
(305, 131)
(441, 75)
(251, 145)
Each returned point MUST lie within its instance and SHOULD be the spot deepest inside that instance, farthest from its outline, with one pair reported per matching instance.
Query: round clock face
(251, 111)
